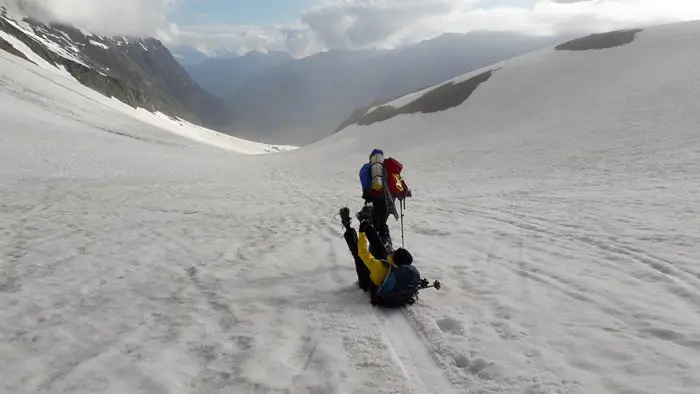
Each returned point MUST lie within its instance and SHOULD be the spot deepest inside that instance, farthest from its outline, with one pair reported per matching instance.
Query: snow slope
(558, 205)
(103, 108)
(29, 54)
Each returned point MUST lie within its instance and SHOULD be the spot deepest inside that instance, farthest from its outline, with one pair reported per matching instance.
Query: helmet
(402, 256)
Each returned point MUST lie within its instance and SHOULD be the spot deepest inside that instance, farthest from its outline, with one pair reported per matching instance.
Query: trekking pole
(401, 208)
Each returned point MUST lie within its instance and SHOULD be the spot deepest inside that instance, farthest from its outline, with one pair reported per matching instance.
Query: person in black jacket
(389, 277)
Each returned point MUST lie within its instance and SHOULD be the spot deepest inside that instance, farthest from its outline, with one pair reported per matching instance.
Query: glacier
(558, 205)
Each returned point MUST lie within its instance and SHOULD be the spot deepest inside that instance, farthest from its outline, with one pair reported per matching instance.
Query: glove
(408, 194)
(365, 225)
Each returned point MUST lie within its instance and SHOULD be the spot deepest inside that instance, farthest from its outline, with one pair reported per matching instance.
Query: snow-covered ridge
(67, 90)
(31, 55)
(56, 41)
(66, 41)
(454, 92)
(99, 44)
(56, 48)
(120, 67)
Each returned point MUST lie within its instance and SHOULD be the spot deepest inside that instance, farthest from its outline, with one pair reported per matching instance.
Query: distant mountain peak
(306, 100)
(137, 70)
(223, 76)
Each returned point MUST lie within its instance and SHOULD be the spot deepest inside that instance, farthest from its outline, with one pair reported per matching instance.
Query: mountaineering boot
(365, 213)
(363, 274)
(345, 217)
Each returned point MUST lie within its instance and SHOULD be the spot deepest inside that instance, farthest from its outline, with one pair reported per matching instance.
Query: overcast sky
(304, 27)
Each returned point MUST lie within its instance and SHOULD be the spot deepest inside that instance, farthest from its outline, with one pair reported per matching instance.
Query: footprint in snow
(451, 326)
(478, 366)
(462, 361)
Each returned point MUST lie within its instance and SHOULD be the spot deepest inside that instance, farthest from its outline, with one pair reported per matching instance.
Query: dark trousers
(376, 247)
(380, 215)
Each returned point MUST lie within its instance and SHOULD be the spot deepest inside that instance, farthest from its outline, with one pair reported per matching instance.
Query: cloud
(211, 39)
(356, 24)
(107, 17)
(338, 24)
(603, 15)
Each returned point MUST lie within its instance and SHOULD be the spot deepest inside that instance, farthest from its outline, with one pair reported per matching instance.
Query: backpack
(373, 174)
(400, 286)
(394, 180)
(376, 165)
(372, 171)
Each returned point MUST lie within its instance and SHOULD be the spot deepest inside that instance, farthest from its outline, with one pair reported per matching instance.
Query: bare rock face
(442, 98)
(600, 41)
(6, 46)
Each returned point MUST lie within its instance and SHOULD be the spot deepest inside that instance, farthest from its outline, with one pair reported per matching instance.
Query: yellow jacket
(377, 269)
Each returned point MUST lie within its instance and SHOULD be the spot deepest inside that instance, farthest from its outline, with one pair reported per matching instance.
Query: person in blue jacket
(382, 184)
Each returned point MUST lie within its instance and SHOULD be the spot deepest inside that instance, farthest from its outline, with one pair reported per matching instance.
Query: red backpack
(397, 186)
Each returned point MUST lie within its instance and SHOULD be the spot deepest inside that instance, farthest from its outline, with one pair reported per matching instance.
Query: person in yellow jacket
(390, 278)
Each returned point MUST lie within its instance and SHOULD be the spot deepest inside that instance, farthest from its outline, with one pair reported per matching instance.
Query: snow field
(565, 204)
(557, 205)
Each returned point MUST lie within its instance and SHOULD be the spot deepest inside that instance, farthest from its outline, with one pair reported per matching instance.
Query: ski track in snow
(410, 352)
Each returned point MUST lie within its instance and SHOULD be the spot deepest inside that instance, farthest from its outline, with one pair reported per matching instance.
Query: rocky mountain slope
(138, 71)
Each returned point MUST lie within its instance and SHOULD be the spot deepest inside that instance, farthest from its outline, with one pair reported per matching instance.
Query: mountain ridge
(454, 92)
(222, 76)
(306, 100)
(136, 70)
